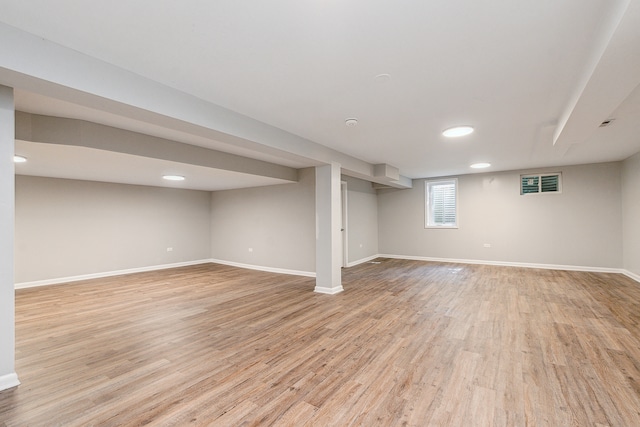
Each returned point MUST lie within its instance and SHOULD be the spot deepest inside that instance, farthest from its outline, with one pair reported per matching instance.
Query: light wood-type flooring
(407, 343)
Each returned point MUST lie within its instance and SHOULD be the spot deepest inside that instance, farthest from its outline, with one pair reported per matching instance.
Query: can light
(19, 159)
(173, 177)
(457, 131)
(480, 165)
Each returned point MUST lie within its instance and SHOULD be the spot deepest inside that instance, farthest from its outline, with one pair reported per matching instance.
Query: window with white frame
(540, 183)
(441, 200)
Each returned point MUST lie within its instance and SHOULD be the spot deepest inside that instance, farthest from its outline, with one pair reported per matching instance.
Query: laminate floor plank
(408, 343)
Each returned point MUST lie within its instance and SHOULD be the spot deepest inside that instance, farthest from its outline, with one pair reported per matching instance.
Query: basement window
(540, 183)
(441, 210)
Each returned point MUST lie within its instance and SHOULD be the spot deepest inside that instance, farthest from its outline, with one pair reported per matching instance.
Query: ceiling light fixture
(19, 159)
(173, 177)
(351, 122)
(480, 165)
(457, 131)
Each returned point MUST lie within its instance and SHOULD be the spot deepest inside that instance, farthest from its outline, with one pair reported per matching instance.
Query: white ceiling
(511, 69)
(107, 166)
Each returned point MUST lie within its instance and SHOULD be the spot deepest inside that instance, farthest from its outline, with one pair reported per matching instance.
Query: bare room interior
(320, 213)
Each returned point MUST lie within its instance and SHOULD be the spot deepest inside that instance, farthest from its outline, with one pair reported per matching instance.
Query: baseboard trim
(362, 261)
(263, 268)
(509, 264)
(328, 291)
(631, 275)
(60, 280)
(9, 381)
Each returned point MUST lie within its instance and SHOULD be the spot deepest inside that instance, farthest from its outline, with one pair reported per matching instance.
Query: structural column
(328, 234)
(8, 377)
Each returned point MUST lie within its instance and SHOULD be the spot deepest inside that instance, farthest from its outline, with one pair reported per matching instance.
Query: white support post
(8, 376)
(328, 233)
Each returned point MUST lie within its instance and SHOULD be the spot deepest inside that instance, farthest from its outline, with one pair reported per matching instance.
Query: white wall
(67, 228)
(582, 226)
(276, 222)
(631, 213)
(362, 219)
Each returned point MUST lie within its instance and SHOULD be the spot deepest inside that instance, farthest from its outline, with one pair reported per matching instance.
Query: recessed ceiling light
(457, 131)
(480, 165)
(351, 122)
(173, 177)
(19, 159)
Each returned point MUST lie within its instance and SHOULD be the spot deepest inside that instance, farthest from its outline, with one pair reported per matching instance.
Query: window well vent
(540, 183)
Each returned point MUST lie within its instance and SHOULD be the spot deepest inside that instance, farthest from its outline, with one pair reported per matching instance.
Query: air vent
(606, 123)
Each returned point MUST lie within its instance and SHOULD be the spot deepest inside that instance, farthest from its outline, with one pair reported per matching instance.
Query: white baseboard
(631, 275)
(509, 264)
(106, 274)
(9, 381)
(328, 291)
(362, 261)
(263, 268)
(23, 285)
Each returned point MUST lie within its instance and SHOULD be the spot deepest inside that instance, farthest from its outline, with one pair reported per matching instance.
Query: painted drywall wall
(631, 214)
(582, 226)
(362, 219)
(270, 226)
(66, 228)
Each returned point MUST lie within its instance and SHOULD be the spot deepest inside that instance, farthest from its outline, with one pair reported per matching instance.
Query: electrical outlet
(487, 245)
(250, 249)
(169, 249)
(360, 244)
